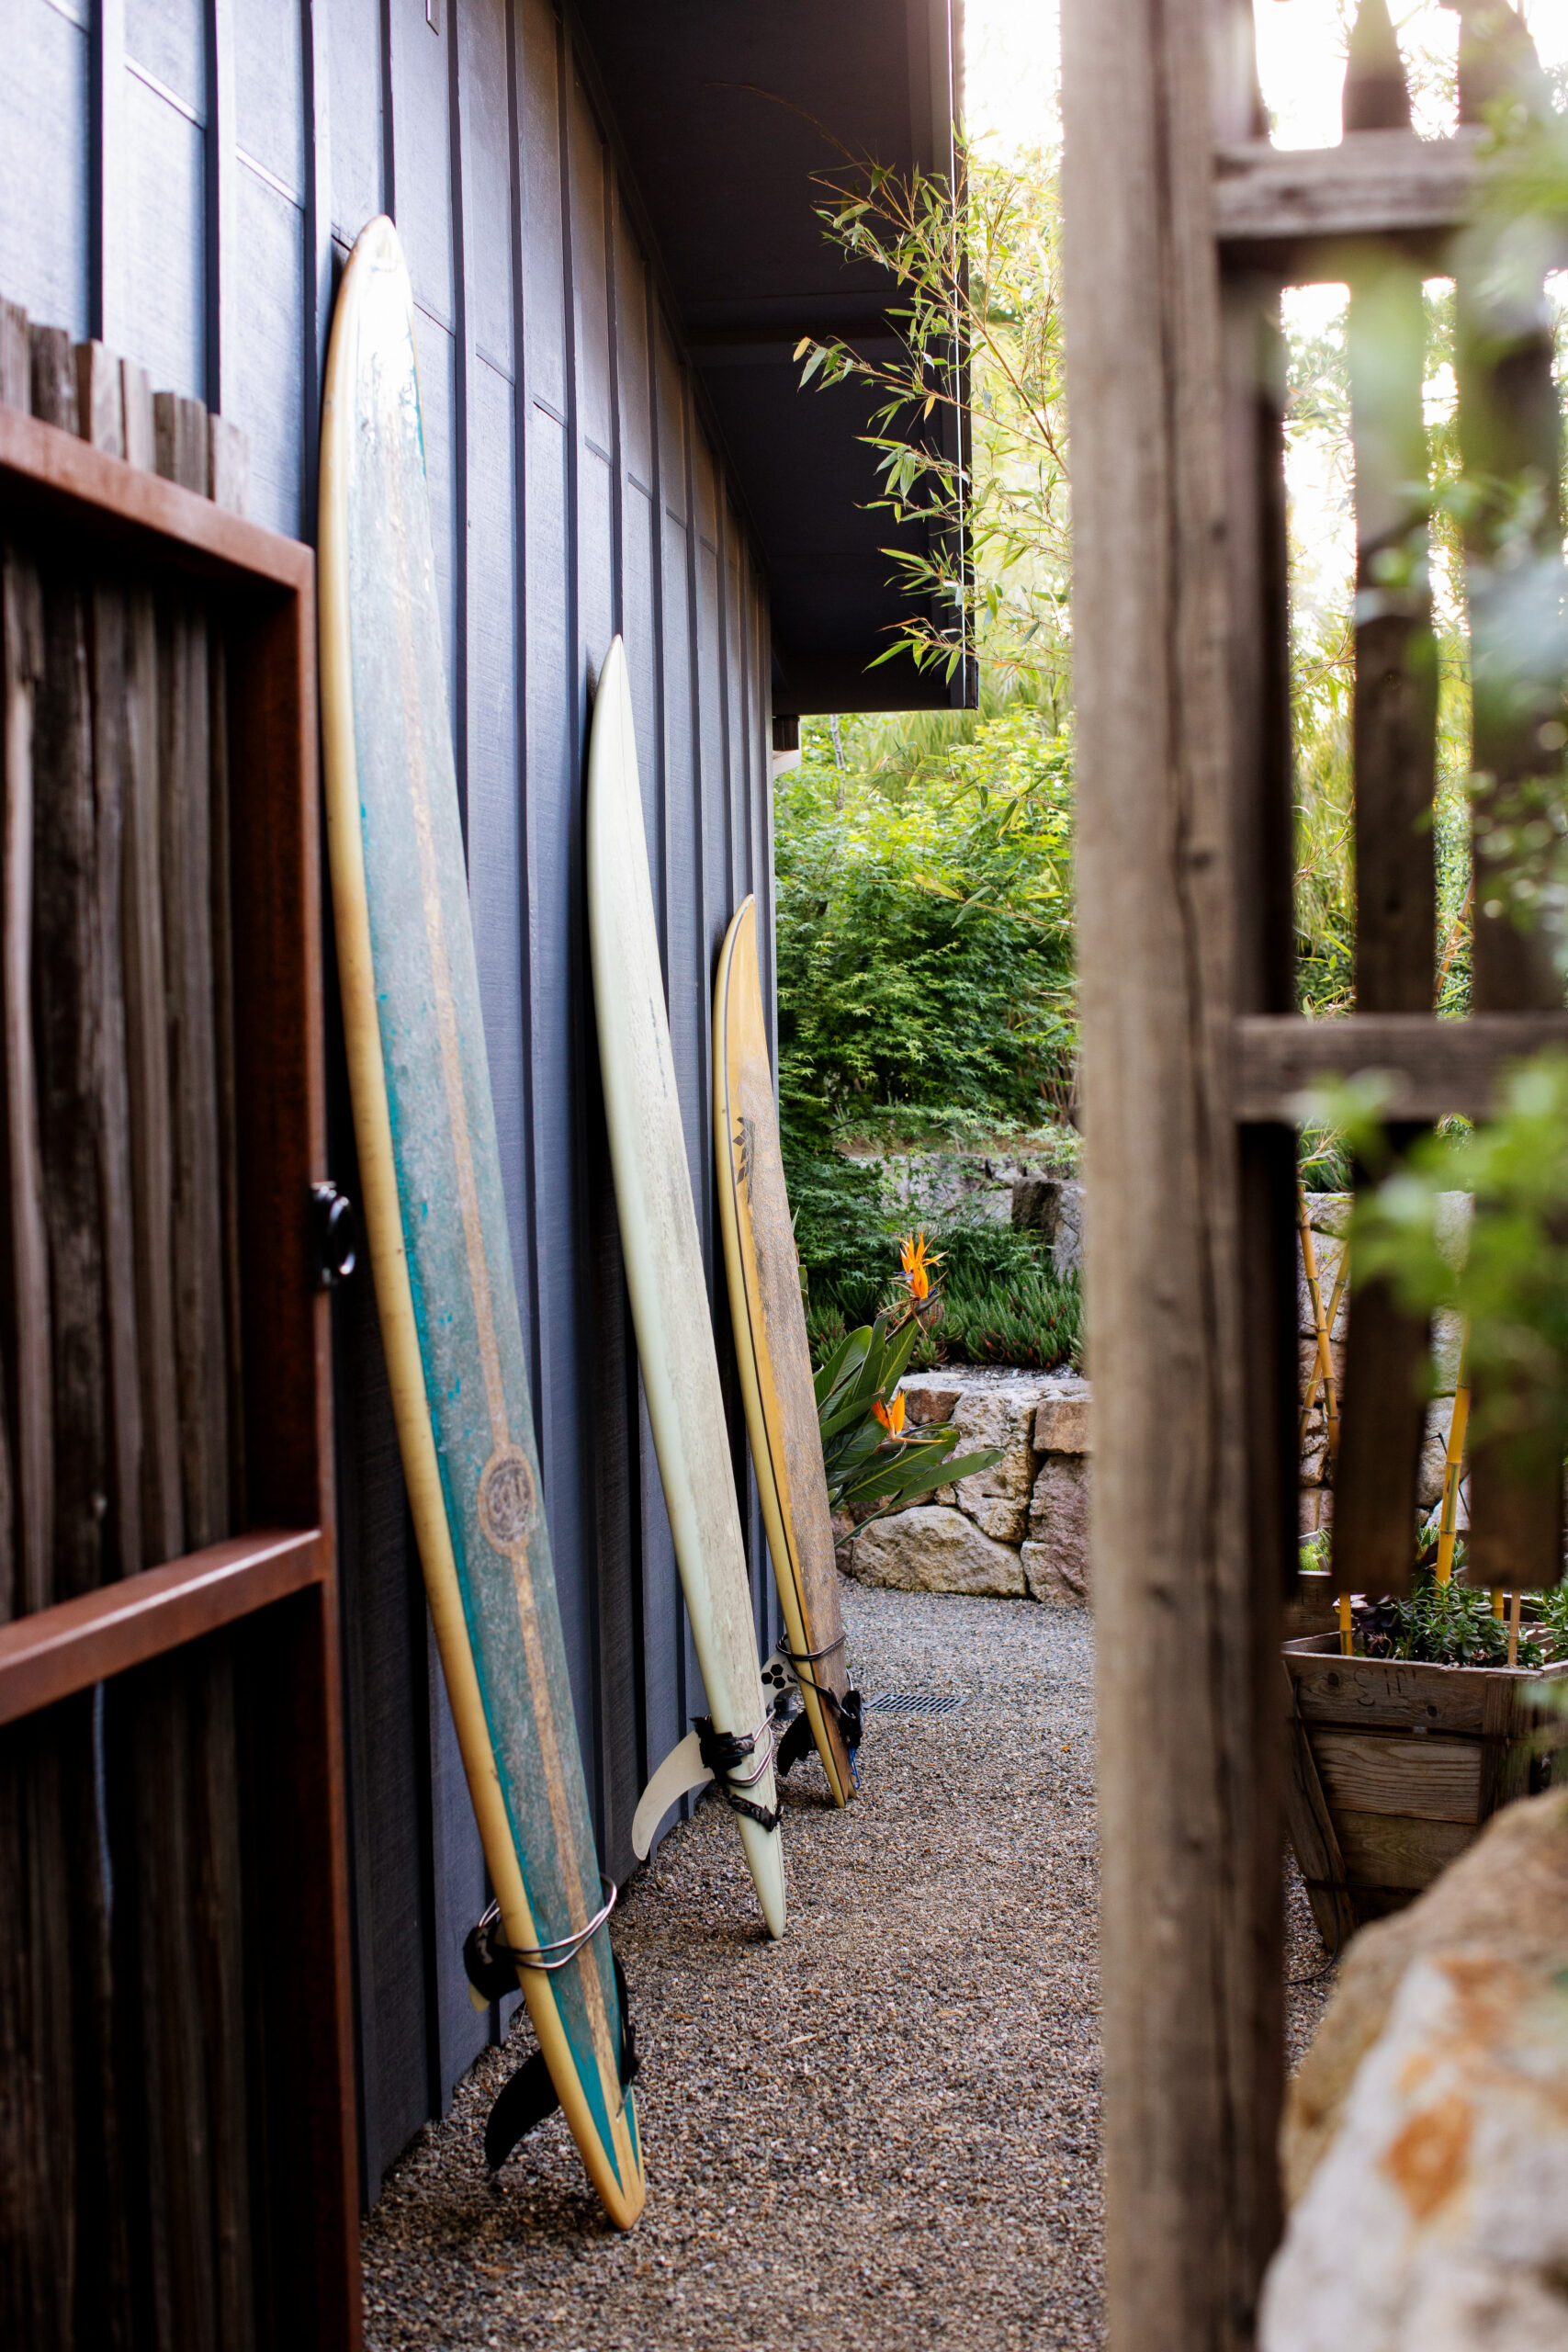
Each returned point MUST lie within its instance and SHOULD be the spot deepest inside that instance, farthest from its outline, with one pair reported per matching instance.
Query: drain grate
(917, 1702)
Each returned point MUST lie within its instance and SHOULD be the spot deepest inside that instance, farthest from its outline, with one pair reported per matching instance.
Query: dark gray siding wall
(184, 177)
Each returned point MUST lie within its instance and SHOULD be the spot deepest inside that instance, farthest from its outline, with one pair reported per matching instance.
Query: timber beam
(1285, 211)
(1432, 1068)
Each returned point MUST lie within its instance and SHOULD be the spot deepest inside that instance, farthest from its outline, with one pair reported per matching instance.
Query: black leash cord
(723, 1752)
(810, 1657)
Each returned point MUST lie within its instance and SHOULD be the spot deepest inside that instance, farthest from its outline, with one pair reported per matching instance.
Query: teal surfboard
(429, 1176)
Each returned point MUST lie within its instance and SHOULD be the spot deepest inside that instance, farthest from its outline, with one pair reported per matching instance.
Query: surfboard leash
(724, 1752)
(848, 1712)
(527, 2097)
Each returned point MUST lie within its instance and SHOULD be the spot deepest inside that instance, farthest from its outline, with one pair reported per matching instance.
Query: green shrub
(924, 935)
(844, 1234)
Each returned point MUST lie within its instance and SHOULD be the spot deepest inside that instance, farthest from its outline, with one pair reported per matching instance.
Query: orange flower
(891, 1415)
(912, 1258)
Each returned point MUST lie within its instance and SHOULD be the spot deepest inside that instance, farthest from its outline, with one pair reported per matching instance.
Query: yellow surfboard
(774, 1356)
(430, 1178)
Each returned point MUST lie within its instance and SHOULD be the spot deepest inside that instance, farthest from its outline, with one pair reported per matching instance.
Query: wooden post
(147, 1043)
(1178, 695)
(1377, 1476)
(25, 1247)
(1510, 441)
(184, 722)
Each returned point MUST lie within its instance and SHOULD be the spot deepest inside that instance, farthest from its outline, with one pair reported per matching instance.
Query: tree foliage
(924, 921)
(969, 422)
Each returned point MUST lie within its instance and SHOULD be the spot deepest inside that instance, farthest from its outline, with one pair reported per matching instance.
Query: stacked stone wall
(1022, 1528)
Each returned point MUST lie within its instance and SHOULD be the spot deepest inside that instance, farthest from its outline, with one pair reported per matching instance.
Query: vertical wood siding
(184, 179)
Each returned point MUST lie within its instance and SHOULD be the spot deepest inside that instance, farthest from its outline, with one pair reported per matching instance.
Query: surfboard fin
(527, 2097)
(524, 2100)
(681, 1771)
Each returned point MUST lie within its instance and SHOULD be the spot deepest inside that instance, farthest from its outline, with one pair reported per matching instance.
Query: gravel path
(881, 2133)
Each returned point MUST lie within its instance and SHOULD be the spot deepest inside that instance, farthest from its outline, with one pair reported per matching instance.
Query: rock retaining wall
(1023, 1527)
(1020, 1527)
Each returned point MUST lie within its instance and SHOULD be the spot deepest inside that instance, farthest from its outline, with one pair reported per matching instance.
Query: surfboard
(435, 1219)
(774, 1355)
(670, 1304)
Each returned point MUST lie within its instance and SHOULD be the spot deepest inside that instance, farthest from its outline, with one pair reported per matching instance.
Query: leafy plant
(1552, 1621)
(1511, 1282)
(843, 1235)
(969, 422)
(875, 1465)
(1440, 1625)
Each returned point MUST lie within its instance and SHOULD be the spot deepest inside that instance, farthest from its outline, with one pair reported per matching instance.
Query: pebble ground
(882, 2133)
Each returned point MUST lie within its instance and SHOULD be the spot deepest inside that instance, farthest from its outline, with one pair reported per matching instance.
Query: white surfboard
(665, 1278)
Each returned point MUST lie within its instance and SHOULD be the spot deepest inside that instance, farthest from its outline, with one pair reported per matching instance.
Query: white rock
(1066, 1249)
(928, 1187)
(1329, 1212)
(1438, 2220)
(997, 1499)
(933, 1548)
(1447, 1347)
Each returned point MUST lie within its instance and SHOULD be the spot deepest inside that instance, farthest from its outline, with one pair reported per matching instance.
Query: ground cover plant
(1002, 1300)
(1443, 1624)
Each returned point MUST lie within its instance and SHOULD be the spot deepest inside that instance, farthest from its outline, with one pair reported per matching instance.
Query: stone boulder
(1055, 1557)
(1426, 2139)
(935, 1548)
(1061, 1423)
(1052, 1206)
(997, 1499)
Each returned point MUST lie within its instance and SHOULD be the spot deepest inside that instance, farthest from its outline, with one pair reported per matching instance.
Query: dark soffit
(724, 109)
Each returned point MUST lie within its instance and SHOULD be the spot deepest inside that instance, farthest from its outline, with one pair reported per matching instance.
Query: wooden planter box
(1393, 1769)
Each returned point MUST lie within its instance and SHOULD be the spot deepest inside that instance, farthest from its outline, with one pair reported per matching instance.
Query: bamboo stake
(1448, 1524)
(1514, 1608)
(1325, 1371)
(1322, 1372)
(1498, 1600)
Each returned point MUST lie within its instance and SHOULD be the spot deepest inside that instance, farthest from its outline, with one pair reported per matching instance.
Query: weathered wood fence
(1182, 224)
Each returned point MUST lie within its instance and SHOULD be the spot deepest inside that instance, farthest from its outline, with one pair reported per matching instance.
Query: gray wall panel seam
(106, 186)
(222, 274)
(521, 411)
(317, 311)
(575, 937)
(269, 179)
(389, 144)
(463, 357)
